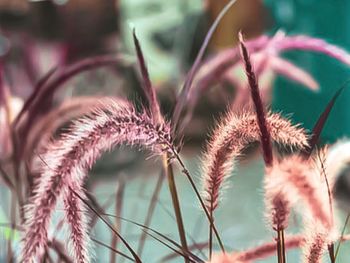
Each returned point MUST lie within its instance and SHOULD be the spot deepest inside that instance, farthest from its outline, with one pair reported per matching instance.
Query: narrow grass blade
(135, 256)
(176, 203)
(145, 228)
(317, 130)
(147, 85)
(113, 250)
(150, 210)
(181, 102)
(341, 236)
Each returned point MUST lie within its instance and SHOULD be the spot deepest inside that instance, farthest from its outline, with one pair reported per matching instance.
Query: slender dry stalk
(157, 116)
(110, 226)
(118, 211)
(342, 236)
(321, 155)
(65, 163)
(185, 92)
(151, 208)
(176, 205)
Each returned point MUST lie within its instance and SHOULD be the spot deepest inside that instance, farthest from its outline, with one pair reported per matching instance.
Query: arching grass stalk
(193, 185)
(156, 114)
(135, 256)
(176, 204)
(341, 236)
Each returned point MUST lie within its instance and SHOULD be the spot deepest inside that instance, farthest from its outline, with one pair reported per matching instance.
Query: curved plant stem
(183, 97)
(135, 256)
(341, 236)
(176, 204)
(330, 246)
(113, 250)
(186, 172)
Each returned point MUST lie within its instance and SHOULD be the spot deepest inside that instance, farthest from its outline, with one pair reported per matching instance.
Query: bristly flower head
(278, 200)
(295, 179)
(231, 137)
(314, 248)
(66, 162)
(304, 178)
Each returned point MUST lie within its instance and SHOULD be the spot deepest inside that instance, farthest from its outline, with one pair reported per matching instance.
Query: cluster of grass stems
(58, 168)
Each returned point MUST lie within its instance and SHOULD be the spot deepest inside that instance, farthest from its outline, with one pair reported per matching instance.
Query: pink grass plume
(230, 138)
(65, 163)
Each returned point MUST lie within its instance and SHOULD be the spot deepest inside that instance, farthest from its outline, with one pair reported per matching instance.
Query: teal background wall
(329, 20)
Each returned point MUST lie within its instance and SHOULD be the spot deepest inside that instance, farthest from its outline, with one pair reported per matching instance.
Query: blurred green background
(324, 19)
(171, 33)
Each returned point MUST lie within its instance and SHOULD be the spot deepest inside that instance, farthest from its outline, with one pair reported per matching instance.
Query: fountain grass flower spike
(65, 164)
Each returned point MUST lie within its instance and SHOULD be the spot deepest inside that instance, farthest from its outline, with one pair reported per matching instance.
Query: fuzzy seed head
(65, 164)
(228, 141)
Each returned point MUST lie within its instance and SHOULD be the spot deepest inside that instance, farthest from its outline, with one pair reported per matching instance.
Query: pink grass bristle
(277, 201)
(67, 160)
(265, 137)
(79, 241)
(314, 247)
(310, 186)
(301, 180)
(228, 141)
